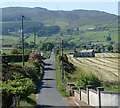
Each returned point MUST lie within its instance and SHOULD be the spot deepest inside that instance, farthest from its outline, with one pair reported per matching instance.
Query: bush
(88, 79)
(17, 81)
(22, 87)
(15, 57)
(68, 67)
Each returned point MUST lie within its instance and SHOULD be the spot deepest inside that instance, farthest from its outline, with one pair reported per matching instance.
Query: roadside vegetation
(21, 82)
(60, 85)
(72, 75)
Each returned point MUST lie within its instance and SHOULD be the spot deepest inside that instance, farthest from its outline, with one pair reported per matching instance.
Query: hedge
(15, 58)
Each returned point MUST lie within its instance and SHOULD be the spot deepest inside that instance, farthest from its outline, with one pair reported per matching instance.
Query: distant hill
(42, 14)
(64, 19)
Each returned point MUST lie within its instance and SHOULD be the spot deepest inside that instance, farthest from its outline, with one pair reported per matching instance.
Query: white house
(84, 53)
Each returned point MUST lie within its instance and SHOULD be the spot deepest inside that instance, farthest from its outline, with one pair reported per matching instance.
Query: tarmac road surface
(48, 96)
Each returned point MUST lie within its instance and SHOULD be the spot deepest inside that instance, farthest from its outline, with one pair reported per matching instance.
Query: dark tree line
(30, 27)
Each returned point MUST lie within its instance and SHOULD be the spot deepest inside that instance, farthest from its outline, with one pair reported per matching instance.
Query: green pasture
(61, 23)
(10, 40)
(85, 27)
(38, 39)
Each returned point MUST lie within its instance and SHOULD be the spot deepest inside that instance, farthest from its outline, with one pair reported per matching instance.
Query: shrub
(68, 67)
(88, 79)
(22, 87)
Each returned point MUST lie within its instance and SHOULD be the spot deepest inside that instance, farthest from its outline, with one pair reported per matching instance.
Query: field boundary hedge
(15, 58)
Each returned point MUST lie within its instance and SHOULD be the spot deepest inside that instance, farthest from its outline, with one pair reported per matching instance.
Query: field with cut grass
(104, 65)
(6, 50)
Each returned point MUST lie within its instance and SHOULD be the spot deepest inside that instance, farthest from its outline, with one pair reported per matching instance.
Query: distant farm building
(84, 53)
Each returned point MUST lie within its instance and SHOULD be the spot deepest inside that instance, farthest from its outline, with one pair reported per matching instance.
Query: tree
(110, 47)
(108, 39)
(47, 46)
(32, 45)
(77, 31)
(49, 30)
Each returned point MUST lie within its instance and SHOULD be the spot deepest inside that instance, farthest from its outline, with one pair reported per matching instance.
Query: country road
(48, 96)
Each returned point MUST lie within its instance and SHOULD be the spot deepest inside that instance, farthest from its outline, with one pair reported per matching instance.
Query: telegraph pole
(34, 37)
(62, 61)
(23, 41)
(109, 33)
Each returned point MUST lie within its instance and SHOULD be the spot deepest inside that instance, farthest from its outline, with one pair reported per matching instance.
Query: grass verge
(60, 86)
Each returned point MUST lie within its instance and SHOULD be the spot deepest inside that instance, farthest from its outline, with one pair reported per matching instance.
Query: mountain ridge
(77, 13)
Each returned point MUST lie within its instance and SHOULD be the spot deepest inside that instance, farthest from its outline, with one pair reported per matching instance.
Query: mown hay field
(104, 65)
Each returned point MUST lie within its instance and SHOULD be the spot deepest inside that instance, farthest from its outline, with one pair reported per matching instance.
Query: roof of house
(90, 50)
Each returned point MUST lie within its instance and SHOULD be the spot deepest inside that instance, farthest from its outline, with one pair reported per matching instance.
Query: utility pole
(23, 41)
(109, 33)
(34, 37)
(62, 61)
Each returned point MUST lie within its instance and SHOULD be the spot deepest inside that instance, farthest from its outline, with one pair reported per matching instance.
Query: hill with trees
(43, 20)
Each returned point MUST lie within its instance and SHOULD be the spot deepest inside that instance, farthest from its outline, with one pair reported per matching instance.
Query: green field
(86, 37)
(10, 40)
(38, 39)
(63, 24)
(87, 27)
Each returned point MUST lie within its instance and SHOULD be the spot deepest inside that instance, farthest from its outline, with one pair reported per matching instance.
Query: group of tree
(47, 46)
(48, 30)
(30, 27)
(73, 31)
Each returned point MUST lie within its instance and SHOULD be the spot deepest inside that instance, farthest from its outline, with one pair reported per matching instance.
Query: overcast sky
(110, 6)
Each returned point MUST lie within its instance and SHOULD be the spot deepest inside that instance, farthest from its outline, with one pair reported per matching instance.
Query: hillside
(77, 27)
(42, 14)
(64, 19)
